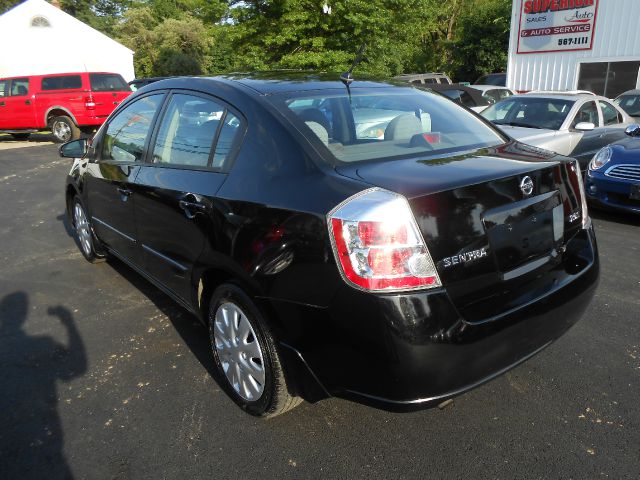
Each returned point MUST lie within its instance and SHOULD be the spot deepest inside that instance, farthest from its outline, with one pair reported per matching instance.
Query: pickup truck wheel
(21, 136)
(64, 129)
(248, 366)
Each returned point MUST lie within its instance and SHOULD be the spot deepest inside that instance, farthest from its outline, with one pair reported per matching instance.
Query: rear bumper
(610, 193)
(411, 351)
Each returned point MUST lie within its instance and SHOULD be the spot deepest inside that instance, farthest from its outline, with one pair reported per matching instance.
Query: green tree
(169, 47)
(297, 34)
(8, 5)
(481, 42)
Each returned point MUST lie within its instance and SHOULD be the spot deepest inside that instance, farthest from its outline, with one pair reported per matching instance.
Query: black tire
(21, 136)
(87, 241)
(63, 129)
(276, 398)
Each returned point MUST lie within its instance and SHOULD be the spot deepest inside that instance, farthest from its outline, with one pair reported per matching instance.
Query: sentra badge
(464, 257)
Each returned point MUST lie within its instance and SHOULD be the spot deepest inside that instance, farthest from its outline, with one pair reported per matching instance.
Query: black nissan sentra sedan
(367, 241)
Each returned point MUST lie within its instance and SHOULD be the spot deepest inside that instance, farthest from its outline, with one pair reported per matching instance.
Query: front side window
(188, 130)
(587, 113)
(19, 87)
(127, 132)
(610, 115)
(108, 82)
(388, 124)
(530, 112)
(65, 82)
(3, 87)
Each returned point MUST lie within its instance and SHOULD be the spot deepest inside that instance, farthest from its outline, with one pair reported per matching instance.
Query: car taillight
(89, 103)
(377, 244)
(575, 169)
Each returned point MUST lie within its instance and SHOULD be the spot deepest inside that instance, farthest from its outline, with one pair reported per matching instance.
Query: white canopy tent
(38, 38)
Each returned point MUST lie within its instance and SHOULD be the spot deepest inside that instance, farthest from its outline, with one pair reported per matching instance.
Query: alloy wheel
(61, 131)
(82, 229)
(239, 352)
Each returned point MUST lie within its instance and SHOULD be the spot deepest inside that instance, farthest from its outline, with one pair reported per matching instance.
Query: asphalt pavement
(103, 377)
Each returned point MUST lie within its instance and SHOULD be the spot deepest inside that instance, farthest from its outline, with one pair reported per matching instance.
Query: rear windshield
(388, 124)
(108, 82)
(65, 82)
(630, 104)
(530, 112)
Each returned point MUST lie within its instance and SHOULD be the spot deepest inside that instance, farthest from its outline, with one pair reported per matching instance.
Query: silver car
(571, 124)
(629, 101)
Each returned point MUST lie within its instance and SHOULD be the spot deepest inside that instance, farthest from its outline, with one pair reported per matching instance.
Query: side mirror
(585, 126)
(74, 148)
(633, 130)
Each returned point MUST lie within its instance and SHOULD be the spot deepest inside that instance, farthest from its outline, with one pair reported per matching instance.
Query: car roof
(268, 83)
(635, 91)
(489, 87)
(563, 96)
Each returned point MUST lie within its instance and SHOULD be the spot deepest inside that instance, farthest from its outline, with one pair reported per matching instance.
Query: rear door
(108, 91)
(613, 121)
(175, 190)
(109, 179)
(17, 107)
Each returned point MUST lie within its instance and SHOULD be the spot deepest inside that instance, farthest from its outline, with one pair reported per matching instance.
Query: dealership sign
(556, 25)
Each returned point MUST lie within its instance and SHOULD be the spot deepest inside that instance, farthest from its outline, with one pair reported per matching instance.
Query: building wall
(616, 38)
(65, 45)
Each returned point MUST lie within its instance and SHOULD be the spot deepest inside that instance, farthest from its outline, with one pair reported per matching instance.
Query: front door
(120, 152)
(588, 142)
(175, 191)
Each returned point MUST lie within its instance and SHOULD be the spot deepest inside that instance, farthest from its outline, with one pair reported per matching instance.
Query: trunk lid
(487, 237)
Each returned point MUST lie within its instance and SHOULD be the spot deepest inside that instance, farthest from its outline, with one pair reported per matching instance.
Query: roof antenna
(346, 77)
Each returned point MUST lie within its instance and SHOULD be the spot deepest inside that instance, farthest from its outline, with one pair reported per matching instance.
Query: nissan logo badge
(526, 185)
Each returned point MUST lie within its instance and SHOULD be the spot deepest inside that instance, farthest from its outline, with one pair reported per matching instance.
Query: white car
(571, 124)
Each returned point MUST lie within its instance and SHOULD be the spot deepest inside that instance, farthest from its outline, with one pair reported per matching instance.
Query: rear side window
(19, 87)
(188, 130)
(127, 132)
(228, 133)
(610, 115)
(108, 82)
(191, 129)
(66, 82)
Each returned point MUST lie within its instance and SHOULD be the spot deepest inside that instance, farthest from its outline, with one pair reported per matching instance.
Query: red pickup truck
(66, 104)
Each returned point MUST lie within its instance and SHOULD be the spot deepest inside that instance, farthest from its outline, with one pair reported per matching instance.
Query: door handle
(27, 102)
(1, 104)
(192, 208)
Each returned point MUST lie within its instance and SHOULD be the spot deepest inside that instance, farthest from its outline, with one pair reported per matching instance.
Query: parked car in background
(137, 83)
(397, 272)
(494, 93)
(466, 96)
(497, 79)
(572, 124)
(613, 179)
(424, 78)
(66, 104)
(629, 101)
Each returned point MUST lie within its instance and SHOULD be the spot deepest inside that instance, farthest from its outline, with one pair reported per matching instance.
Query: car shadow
(31, 434)
(191, 330)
